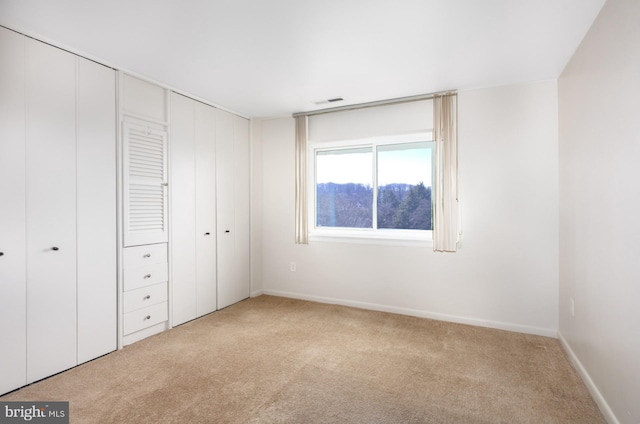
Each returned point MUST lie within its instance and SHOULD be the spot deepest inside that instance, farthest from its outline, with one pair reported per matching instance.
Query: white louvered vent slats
(145, 166)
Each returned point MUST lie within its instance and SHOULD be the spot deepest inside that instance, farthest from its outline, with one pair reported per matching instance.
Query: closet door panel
(183, 215)
(143, 99)
(144, 181)
(205, 119)
(13, 307)
(225, 208)
(242, 289)
(97, 265)
(51, 210)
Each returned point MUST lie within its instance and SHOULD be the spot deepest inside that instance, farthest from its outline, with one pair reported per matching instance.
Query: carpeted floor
(277, 360)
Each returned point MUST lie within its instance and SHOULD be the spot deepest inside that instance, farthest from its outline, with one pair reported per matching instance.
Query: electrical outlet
(292, 267)
(572, 307)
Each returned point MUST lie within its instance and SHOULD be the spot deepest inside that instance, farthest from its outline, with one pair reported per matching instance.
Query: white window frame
(389, 236)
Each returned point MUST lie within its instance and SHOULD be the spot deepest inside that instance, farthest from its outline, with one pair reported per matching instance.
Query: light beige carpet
(277, 360)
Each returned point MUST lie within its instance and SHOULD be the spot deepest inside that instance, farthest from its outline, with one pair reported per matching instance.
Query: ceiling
(276, 57)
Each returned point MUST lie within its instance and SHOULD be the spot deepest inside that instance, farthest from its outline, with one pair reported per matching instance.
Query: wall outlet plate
(572, 307)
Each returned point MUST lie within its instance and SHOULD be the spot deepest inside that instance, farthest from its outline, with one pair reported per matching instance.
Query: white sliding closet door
(51, 210)
(193, 243)
(13, 308)
(205, 124)
(225, 218)
(232, 173)
(97, 265)
(183, 213)
(58, 230)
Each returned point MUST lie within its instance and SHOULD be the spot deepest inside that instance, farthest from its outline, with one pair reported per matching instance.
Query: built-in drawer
(145, 276)
(145, 317)
(145, 296)
(139, 256)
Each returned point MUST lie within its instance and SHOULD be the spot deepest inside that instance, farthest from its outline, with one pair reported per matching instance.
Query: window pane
(344, 192)
(404, 186)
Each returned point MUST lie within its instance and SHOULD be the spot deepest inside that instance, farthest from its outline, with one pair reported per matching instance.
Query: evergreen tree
(388, 203)
(415, 211)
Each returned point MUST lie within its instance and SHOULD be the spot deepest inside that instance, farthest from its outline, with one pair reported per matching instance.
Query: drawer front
(145, 276)
(145, 296)
(139, 256)
(146, 317)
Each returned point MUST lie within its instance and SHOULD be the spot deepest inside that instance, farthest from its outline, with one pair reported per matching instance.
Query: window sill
(391, 238)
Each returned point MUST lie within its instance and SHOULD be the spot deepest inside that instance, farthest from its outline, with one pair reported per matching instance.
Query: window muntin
(380, 188)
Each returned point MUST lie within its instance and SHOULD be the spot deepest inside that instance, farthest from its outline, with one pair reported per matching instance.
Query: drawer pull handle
(207, 234)
(227, 231)
(1, 253)
(147, 276)
(148, 255)
(147, 297)
(55, 248)
(147, 317)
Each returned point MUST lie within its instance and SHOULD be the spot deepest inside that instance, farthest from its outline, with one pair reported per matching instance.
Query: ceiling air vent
(323, 102)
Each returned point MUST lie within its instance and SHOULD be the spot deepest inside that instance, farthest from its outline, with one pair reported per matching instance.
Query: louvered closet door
(51, 210)
(145, 200)
(13, 308)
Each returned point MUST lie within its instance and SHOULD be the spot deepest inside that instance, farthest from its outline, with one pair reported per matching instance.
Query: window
(376, 188)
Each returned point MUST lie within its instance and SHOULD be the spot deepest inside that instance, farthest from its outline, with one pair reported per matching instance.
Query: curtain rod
(395, 101)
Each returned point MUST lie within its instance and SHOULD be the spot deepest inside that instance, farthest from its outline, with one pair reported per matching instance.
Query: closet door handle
(207, 234)
(55, 248)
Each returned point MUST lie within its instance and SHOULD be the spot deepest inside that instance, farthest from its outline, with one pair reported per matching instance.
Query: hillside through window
(380, 186)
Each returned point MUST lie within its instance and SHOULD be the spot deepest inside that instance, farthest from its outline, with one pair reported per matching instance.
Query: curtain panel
(302, 225)
(446, 223)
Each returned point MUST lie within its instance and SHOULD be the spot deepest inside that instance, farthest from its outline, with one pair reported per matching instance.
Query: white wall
(506, 273)
(256, 207)
(600, 208)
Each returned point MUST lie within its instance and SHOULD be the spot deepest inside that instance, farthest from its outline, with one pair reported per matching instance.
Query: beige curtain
(302, 230)
(446, 225)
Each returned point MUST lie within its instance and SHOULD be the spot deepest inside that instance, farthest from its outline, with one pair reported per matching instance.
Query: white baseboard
(547, 332)
(256, 293)
(593, 389)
